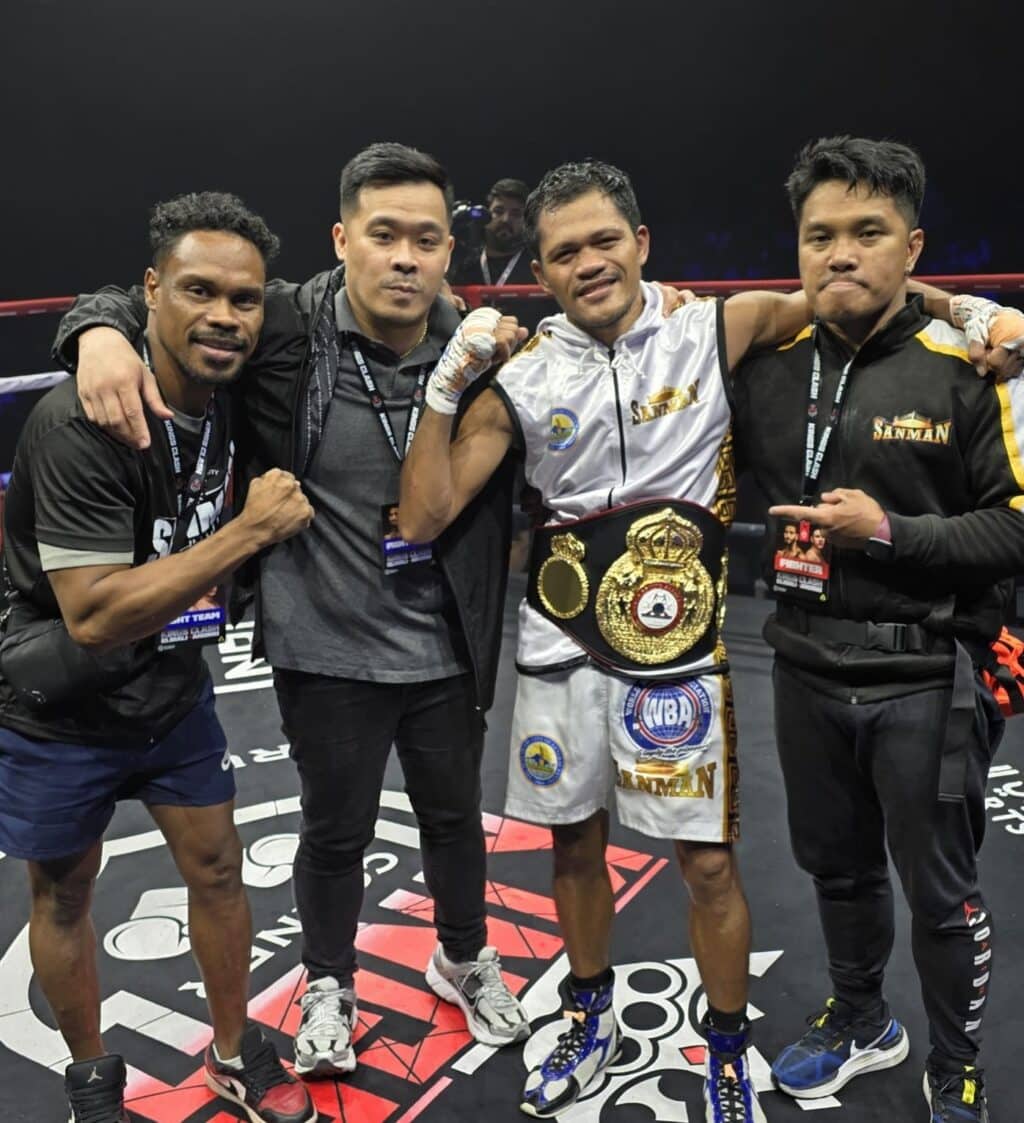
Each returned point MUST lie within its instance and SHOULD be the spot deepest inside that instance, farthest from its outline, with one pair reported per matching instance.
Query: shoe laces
(96, 1105)
(825, 1030)
(262, 1070)
(571, 1043)
(952, 1087)
(326, 1011)
(492, 985)
(727, 1093)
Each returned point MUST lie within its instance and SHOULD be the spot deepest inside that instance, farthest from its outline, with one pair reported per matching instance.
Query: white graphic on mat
(659, 1006)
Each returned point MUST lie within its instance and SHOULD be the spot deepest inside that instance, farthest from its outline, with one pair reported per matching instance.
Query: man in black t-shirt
(496, 254)
(503, 258)
(112, 558)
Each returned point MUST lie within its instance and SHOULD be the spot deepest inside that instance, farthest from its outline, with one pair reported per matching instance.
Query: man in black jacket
(373, 640)
(873, 425)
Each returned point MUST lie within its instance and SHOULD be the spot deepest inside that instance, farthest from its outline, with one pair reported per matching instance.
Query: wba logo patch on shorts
(668, 721)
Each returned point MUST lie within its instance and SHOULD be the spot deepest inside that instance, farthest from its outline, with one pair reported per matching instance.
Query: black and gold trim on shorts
(638, 587)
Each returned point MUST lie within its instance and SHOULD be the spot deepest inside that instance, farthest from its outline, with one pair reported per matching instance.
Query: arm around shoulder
(761, 319)
(111, 307)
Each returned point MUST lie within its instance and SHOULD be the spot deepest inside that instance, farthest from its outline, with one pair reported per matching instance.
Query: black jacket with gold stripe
(938, 447)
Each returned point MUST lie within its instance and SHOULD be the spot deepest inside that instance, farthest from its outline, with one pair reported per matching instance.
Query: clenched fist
(276, 507)
(484, 339)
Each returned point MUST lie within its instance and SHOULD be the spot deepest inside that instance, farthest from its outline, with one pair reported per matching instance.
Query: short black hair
(884, 167)
(510, 189)
(389, 163)
(207, 210)
(568, 182)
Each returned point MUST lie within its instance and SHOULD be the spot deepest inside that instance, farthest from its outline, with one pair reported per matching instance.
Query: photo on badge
(801, 561)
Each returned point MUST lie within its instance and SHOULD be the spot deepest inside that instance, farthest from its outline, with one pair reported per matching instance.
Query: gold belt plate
(562, 582)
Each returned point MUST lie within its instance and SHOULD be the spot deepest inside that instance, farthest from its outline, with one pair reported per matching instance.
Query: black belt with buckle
(912, 639)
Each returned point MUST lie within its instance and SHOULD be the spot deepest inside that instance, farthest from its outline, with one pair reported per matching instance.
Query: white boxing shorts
(669, 749)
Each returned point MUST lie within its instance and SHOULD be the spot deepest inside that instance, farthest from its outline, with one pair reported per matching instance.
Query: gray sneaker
(494, 1016)
(323, 1043)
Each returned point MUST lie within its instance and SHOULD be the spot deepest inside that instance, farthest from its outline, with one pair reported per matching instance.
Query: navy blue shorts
(58, 798)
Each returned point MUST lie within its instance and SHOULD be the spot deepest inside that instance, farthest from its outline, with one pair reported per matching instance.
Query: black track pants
(858, 776)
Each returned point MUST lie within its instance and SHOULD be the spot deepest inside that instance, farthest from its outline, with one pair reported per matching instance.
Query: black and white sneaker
(95, 1090)
(494, 1016)
(956, 1097)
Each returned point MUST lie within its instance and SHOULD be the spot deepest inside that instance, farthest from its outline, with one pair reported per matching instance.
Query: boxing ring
(416, 1061)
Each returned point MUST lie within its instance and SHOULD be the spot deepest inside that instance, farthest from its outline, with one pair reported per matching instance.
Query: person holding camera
(499, 257)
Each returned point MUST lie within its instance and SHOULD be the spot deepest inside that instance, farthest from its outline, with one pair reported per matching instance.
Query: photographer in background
(500, 257)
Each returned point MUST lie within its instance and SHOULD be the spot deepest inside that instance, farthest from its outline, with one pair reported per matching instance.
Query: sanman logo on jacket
(913, 427)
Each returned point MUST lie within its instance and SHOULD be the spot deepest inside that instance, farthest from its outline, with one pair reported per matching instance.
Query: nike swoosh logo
(856, 1050)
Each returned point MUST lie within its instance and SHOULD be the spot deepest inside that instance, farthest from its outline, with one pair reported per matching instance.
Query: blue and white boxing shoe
(589, 1044)
(729, 1092)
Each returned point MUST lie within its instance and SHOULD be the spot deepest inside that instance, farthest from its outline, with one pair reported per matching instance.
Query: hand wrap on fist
(467, 356)
(987, 323)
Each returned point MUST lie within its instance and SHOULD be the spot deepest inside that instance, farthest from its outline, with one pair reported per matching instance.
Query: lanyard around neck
(377, 403)
(814, 450)
(485, 267)
(188, 491)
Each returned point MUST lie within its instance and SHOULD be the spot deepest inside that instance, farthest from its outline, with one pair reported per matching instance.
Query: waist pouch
(45, 667)
(640, 588)
(1003, 673)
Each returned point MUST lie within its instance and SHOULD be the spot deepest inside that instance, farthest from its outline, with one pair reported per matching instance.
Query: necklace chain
(423, 335)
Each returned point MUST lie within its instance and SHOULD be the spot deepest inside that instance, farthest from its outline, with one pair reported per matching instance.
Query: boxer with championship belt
(623, 419)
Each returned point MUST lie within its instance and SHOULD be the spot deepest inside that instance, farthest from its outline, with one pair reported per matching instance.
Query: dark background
(112, 105)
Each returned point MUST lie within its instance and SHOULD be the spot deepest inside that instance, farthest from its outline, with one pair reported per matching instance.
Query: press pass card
(204, 622)
(395, 551)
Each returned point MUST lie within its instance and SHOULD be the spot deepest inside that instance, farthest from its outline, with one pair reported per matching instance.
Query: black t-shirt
(469, 270)
(74, 489)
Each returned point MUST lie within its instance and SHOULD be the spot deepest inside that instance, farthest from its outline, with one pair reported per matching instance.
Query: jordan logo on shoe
(94, 1075)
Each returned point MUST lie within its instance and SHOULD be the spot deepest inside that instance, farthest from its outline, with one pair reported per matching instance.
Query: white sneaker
(323, 1042)
(494, 1016)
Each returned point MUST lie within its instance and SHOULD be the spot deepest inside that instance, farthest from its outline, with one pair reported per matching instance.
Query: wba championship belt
(638, 587)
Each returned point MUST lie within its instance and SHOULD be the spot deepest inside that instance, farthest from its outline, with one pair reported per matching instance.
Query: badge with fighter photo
(395, 551)
(204, 622)
(801, 562)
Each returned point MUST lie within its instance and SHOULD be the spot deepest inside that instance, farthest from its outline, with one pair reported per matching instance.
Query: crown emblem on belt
(664, 539)
(656, 600)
